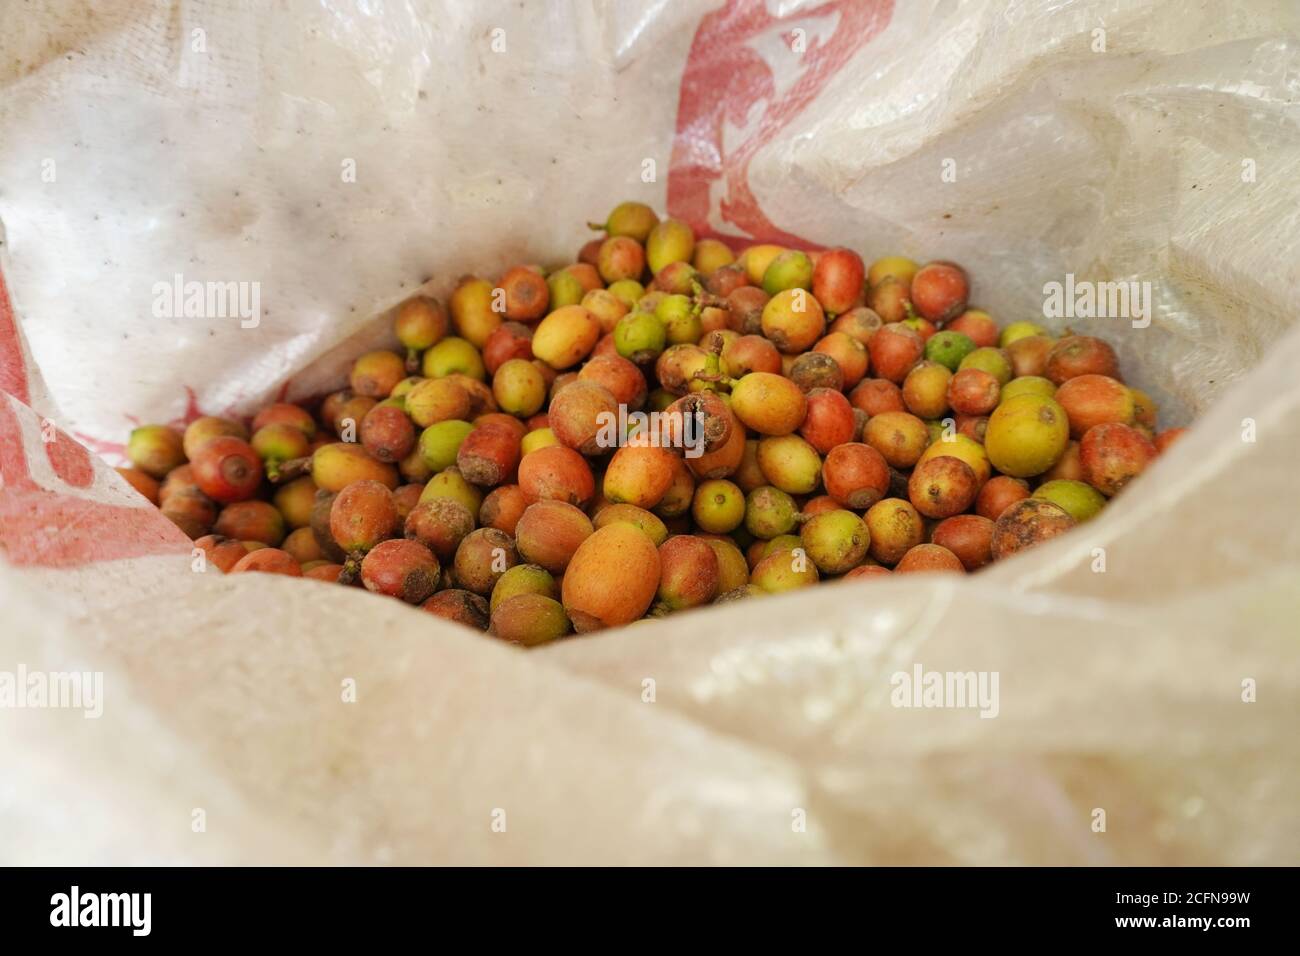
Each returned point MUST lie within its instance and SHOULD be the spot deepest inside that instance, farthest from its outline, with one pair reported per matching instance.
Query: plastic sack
(342, 156)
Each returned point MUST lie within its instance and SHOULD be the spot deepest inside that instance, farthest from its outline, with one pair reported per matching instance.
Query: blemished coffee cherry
(678, 367)
(890, 299)
(700, 423)
(320, 526)
(578, 414)
(440, 524)
(855, 475)
(849, 354)
(525, 292)
(403, 569)
(1026, 523)
(895, 528)
(860, 323)
(793, 320)
(1113, 454)
(942, 487)
(350, 414)
(623, 379)
(769, 512)
(1029, 354)
(362, 515)
(973, 391)
(745, 307)
(867, 571)
(482, 558)
(460, 606)
(816, 370)
(387, 433)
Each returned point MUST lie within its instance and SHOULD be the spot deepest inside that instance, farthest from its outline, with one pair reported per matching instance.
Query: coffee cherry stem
(717, 378)
(704, 299)
(288, 470)
(659, 609)
(351, 567)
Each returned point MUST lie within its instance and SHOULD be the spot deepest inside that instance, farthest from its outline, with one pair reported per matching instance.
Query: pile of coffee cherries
(660, 425)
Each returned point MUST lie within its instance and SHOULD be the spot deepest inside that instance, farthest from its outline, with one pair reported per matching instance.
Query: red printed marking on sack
(725, 77)
(13, 370)
(70, 461)
(42, 527)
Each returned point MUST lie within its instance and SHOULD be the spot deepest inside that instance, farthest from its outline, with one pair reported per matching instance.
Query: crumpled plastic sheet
(758, 732)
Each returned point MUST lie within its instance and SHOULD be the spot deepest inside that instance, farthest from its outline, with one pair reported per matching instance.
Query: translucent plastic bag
(340, 158)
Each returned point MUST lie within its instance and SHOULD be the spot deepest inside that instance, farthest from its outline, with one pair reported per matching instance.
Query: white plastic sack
(343, 155)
